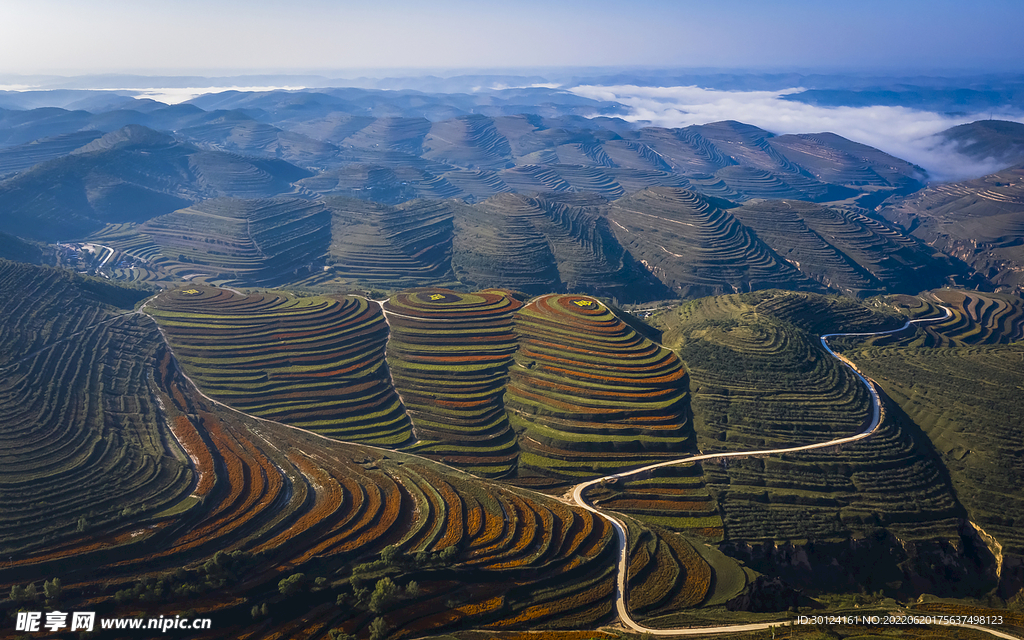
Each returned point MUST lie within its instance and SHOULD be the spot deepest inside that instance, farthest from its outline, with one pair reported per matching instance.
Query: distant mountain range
(405, 189)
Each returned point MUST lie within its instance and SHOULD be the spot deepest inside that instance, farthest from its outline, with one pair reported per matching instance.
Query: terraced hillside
(550, 243)
(403, 246)
(976, 318)
(247, 242)
(981, 222)
(846, 251)
(967, 400)
(130, 175)
(762, 382)
(236, 133)
(696, 247)
(836, 160)
(279, 503)
(80, 422)
(316, 363)
(588, 394)
(255, 505)
(470, 141)
(449, 355)
(383, 184)
(25, 156)
(988, 140)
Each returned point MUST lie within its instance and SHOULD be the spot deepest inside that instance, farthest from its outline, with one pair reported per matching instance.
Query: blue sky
(83, 36)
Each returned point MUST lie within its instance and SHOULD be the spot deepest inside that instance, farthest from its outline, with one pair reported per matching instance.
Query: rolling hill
(130, 175)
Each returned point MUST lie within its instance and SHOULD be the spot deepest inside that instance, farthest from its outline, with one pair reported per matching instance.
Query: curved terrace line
(620, 529)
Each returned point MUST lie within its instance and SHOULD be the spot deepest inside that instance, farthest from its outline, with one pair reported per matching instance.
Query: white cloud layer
(904, 133)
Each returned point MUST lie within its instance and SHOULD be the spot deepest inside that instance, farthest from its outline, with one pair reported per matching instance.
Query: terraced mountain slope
(236, 133)
(83, 449)
(235, 508)
(981, 222)
(588, 394)
(761, 382)
(975, 318)
(449, 355)
(276, 503)
(407, 245)
(315, 363)
(256, 242)
(968, 401)
(550, 243)
(130, 175)
(696, 246)
(847, 251)
(27, 155)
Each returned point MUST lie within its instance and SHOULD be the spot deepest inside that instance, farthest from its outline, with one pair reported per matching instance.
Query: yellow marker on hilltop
(437, 296)
(583, 303)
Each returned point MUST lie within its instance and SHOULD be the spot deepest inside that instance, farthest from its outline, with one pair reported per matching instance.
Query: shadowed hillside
(130, 175)
(697, 247)
(981, 222)
(847, 251)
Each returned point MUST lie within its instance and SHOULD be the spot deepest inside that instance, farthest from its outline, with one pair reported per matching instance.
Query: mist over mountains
(900, 115)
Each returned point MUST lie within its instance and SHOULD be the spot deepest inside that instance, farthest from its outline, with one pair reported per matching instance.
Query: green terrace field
(136, 490)
(760, 381)
(316, 363)
(976, 319)
(449, 356)
(961, 380)
(674, 497)
(589, 395)
(255, 242)
(81, 442)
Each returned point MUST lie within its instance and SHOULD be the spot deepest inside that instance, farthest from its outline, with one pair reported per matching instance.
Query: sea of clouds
(905, 133)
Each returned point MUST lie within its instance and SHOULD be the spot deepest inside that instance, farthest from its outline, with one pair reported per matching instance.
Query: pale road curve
(620, 529)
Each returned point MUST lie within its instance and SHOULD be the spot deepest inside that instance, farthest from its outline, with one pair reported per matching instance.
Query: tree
(412, 589)
(338, 634)
(52, 589)
(389, 555)
(17, 593)
(31, 593)
(378, 629)
(292, 584)
(447, 555)
(383, 594)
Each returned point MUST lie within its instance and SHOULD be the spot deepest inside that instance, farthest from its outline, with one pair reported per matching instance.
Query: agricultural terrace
(590, 395)
(82, 443)
(315, 363)
(977, 319)
(274, 502)
(674, 497)
(760, 382)
(449, 355)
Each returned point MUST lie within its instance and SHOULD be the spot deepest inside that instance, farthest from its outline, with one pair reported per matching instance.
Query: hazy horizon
(60, 36)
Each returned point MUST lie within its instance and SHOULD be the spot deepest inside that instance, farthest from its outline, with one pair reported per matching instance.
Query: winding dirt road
(620, 528)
